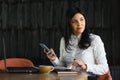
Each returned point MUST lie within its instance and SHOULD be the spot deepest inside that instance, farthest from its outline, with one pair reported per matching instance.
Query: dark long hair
(85, 40)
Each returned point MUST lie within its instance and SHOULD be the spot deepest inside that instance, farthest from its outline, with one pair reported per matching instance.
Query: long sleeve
(100, 66)
(59, 61)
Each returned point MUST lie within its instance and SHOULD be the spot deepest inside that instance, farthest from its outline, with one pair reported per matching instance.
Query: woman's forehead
(77, 15)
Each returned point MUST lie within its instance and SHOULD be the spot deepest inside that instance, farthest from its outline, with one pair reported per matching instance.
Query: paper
(61, 68)
(67, 73)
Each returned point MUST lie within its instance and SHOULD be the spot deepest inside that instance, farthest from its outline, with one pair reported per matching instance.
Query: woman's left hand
(79, 63)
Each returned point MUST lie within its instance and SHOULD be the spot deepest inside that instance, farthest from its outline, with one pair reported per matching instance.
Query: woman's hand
(50, 54)
(79, 63)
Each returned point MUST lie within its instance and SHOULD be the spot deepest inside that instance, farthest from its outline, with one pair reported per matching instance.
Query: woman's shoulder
(95, 38)
(62, 39)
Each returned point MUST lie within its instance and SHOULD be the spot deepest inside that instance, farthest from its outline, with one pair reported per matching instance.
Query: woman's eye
(74, 21)
(81, 19)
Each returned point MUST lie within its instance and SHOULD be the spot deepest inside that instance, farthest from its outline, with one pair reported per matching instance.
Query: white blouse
(94, 56)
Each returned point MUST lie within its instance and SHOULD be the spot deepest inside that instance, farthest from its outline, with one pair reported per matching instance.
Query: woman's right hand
(50, 54)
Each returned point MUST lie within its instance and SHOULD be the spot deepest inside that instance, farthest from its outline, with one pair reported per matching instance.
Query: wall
(26, 23)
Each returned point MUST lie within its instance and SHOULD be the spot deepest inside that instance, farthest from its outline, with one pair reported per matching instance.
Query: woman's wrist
(52, 59)
(84, 67)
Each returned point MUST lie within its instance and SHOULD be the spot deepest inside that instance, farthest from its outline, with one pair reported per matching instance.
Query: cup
(45, 68)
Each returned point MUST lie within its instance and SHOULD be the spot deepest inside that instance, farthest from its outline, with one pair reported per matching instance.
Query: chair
(106, 76)
(16, 62)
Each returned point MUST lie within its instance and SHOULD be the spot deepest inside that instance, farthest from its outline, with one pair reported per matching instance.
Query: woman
(79, 49)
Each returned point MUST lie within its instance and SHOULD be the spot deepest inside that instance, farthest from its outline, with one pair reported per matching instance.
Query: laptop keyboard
(22, 69)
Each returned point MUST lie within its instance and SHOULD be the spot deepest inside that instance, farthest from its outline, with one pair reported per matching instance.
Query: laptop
(33, 69)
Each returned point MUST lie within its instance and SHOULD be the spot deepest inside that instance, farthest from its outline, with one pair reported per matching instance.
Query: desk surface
(39, 76)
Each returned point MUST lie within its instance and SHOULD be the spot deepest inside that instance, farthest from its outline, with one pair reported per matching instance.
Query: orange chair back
(16, 62)
(106, 76)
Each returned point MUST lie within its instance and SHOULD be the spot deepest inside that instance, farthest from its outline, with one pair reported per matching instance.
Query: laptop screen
(4, 54)
(32, 69)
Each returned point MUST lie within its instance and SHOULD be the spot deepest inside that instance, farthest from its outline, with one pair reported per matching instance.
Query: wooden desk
(38, 76)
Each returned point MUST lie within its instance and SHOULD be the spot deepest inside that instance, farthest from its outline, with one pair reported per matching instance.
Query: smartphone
(44, 46)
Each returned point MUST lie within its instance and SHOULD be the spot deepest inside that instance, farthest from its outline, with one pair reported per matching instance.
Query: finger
(75, 59)
(74, 63)
(49, 53)
(51, 50)
(50, 56)
(80, 63)
(45, 51)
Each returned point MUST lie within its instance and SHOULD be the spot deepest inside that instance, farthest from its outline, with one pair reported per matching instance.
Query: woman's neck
(76, 34)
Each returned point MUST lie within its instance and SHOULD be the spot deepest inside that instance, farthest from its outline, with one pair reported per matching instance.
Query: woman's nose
(79, 23)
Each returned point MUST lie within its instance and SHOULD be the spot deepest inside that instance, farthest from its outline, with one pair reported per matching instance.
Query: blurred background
(26, 23)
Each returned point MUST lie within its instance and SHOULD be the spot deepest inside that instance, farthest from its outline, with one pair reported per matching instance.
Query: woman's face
(78, 23)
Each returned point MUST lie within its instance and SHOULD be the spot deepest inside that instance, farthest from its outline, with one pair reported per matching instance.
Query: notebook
(33, 69)
(64, 71)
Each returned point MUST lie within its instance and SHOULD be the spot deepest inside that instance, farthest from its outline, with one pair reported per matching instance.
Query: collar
(76, 37)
